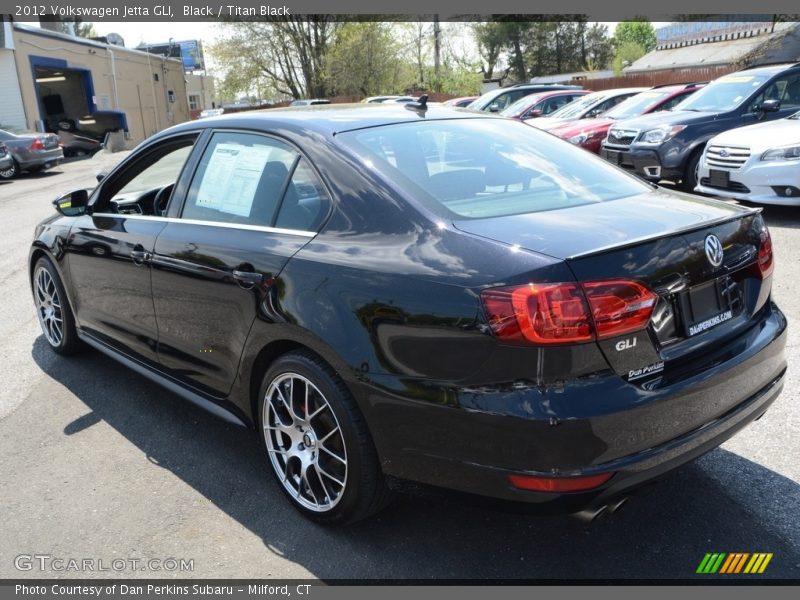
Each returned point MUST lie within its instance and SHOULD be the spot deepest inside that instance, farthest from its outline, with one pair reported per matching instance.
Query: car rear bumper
(41, 160)
(466, 443)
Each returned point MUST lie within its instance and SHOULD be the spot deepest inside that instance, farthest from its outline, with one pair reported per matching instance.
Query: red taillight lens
(619, 306)
(766, 260)
(37, 144)
(559, 484)
(550, 313)
(568, 313)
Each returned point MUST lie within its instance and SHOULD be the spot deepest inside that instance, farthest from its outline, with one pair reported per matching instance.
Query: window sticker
(231, 178)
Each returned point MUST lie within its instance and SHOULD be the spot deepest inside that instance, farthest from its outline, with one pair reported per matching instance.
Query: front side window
(479, 168)
(145, 185)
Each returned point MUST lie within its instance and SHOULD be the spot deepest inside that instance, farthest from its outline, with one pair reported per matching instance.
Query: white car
(758, 163)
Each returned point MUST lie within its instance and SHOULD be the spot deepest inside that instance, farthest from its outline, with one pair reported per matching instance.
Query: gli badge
(713, 250)
(625, 344)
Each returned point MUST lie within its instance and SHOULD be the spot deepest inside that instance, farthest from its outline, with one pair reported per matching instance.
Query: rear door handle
(247, 279)
(140, 256)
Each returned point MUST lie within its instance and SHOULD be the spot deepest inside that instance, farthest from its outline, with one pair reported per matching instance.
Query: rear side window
(478, 168)
(305, 203)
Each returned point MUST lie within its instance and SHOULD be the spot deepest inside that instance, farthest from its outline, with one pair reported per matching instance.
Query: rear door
(252, 203)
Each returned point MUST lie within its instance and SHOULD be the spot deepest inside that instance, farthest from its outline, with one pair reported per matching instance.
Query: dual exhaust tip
(592, 514)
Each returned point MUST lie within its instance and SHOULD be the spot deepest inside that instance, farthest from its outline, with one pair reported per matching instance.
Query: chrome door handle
(140, 257)
(247, 279)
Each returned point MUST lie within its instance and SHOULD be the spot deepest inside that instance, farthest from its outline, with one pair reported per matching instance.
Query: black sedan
(390, 293)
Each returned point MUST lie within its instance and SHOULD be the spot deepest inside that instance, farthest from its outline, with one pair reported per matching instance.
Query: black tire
(689, 181)
(10, 172)
(364, 491)
(66, 342)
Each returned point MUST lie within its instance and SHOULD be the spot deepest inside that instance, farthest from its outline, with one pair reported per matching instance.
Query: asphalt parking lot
(97, 462)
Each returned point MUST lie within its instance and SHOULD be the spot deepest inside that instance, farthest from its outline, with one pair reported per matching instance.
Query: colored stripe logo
(734, 563)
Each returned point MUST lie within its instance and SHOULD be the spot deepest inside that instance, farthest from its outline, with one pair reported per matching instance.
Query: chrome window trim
(244, 226)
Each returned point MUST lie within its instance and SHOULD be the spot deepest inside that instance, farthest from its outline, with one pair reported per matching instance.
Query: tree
(640, 32)
(288, 52)
(490, 39)
(626, 54)
(82, 28)
(365, 60)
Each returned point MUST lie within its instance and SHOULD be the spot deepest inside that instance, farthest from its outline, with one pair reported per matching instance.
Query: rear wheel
(317, 442)
(52, 309)
(10, 172)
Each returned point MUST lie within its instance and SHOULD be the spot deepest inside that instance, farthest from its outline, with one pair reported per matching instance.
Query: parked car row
(738, 136)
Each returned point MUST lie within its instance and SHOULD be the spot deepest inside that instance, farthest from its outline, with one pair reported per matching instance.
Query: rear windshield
(578, 107)
(479, 168)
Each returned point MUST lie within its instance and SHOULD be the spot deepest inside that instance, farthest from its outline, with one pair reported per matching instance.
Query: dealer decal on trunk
(709, 323)
(645, 371)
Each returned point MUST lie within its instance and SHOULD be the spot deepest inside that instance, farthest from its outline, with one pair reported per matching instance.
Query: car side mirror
(535, 113)
(771, 105)
(72, 204)
(101, 175)
(494, 107)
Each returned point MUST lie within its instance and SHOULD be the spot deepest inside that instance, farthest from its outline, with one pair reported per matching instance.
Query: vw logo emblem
(724, 153)
(713, 250)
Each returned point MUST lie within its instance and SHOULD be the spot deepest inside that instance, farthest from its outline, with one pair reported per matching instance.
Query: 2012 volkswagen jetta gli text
(388, 293)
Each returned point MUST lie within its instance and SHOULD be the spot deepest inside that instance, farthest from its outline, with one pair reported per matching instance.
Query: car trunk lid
(658, 239)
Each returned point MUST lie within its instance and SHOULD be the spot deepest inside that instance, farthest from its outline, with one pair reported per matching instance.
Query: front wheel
(317, 442)
(53, 310)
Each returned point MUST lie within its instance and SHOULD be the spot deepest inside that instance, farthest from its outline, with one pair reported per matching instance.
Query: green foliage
(640, 32)
(626, 54)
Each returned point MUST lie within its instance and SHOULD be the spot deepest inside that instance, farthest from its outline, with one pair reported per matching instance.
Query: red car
(589, 134)
(542, 104)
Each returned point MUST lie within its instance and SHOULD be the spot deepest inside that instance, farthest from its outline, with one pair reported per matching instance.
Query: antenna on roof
(420, 105)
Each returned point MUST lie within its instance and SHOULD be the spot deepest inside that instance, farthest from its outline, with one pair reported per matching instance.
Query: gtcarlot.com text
(61, 564)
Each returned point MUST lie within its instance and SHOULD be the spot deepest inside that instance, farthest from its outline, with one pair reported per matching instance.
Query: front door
(109, 248)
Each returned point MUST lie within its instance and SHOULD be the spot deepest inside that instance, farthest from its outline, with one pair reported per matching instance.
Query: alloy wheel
(48, 307)
(305, 442)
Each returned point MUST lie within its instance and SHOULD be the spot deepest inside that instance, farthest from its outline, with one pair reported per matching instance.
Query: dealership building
(47, 77)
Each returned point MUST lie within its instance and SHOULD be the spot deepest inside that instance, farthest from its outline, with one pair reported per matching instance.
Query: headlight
(659, 135)
(785, 153)
(578, 139)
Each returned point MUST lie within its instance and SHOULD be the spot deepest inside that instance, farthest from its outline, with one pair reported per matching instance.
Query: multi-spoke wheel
(305, 442)
(52, 309)
(317, 442)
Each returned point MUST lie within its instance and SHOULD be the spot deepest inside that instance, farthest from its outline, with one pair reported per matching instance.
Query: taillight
(568, 313)
(766, 260)
(37, 144)
(619, 306)
(549, 313)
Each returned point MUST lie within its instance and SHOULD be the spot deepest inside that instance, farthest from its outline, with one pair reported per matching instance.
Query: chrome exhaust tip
(591, 514)
(616, 505)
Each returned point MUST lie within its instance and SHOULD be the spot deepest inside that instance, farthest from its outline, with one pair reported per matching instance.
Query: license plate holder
(720, 179)
(704, 306)
(614, 157)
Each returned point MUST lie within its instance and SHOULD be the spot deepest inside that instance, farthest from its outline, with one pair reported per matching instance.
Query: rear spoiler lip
(745, 212)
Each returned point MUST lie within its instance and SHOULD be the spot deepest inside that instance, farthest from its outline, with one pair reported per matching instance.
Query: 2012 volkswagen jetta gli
(388, 292)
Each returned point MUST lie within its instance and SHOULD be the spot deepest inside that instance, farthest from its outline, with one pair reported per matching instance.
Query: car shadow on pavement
(720, 503)
(782, 216)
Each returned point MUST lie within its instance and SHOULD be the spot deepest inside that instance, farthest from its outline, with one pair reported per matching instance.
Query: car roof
(773, 69)
(329, 119)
